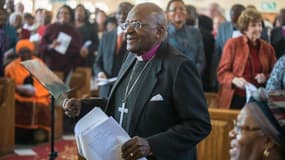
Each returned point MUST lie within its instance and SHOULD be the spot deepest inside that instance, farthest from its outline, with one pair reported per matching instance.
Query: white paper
(103, 82)
(87, 44)
(249, 90)
(100, 137)
(64, 40)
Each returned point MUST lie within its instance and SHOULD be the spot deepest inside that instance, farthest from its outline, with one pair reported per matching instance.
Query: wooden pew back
(7, 114)
(80, 82)
(212, 99)
(216, 146)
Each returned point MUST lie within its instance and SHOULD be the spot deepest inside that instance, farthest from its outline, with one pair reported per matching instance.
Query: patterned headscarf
(270, 117)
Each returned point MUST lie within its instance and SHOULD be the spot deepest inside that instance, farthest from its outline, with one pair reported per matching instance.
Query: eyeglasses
(134, 24)
(238, 128)
(177, 9)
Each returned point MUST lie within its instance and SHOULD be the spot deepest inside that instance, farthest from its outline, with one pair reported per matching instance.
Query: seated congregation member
(153, 84)
(112, 50)
(276, 80)
(259, 133)
(71, 58)
(32, 99)
(245, 59)
(185, 38)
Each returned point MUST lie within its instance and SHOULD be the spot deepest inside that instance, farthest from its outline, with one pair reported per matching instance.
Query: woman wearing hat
(32, 99)
(259, 132)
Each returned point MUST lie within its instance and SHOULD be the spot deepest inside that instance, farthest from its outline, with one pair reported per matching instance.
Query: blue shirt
(189, 41)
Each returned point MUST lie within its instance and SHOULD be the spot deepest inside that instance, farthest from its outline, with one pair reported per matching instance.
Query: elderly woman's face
(254, 30)
(247, 138)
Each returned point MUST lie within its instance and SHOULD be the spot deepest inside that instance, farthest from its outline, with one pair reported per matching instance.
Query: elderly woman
(259, 133)
(32, 99)
(276, 80)
(245, 59)
(185, 38)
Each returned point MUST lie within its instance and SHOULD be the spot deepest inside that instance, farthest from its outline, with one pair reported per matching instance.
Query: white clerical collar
(139, 58)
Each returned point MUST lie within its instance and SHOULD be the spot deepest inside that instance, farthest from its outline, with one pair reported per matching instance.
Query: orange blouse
(16, 71)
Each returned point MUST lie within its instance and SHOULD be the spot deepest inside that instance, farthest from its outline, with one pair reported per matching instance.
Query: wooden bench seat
(216, 146)
(7, 114)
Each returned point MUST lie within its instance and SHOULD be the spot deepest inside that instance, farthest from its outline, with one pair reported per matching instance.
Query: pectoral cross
(123, 110)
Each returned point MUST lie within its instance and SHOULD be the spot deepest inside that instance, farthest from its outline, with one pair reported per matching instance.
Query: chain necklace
(128, 91)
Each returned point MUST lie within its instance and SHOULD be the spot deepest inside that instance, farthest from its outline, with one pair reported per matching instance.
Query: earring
(266, 153)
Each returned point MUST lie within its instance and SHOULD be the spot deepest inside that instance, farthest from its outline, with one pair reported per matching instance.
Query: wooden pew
(212, 99)
(216, 146)
(80, 83)
(7, 114)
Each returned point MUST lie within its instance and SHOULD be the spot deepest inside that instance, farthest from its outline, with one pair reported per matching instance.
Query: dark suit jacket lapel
(123, 71)
(145, 91)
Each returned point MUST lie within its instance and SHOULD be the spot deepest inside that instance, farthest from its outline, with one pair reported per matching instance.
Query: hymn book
(99, 137)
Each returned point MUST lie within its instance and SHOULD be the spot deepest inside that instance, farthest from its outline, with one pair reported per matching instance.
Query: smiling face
(176, 13)
(143, 28)
(248, 140)
(254, 30)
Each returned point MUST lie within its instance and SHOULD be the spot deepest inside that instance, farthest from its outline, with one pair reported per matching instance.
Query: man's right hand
(102, 75)
(72, 107)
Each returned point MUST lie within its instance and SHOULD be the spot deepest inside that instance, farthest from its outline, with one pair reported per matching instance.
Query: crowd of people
(164, 61)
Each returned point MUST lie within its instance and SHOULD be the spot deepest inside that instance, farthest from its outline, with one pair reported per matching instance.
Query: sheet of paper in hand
(249, 90)
(47, 78)
(103, 82)
(100, 137)
(64, 40)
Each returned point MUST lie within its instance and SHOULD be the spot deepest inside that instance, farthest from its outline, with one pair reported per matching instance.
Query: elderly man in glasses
(158, 90)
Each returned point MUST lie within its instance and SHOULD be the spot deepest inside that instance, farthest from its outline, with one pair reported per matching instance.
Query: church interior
(26, 125)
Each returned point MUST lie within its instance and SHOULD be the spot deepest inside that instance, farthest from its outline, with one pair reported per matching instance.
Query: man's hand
(135, 148)
(26, 90)
(71, 107)
(102, 75)
(84, 52)
(239, 82)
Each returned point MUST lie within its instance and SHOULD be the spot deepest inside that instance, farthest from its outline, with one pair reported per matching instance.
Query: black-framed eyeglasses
(134, 24)
(238, 128)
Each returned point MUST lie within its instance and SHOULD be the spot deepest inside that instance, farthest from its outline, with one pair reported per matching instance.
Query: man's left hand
(135, 148)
